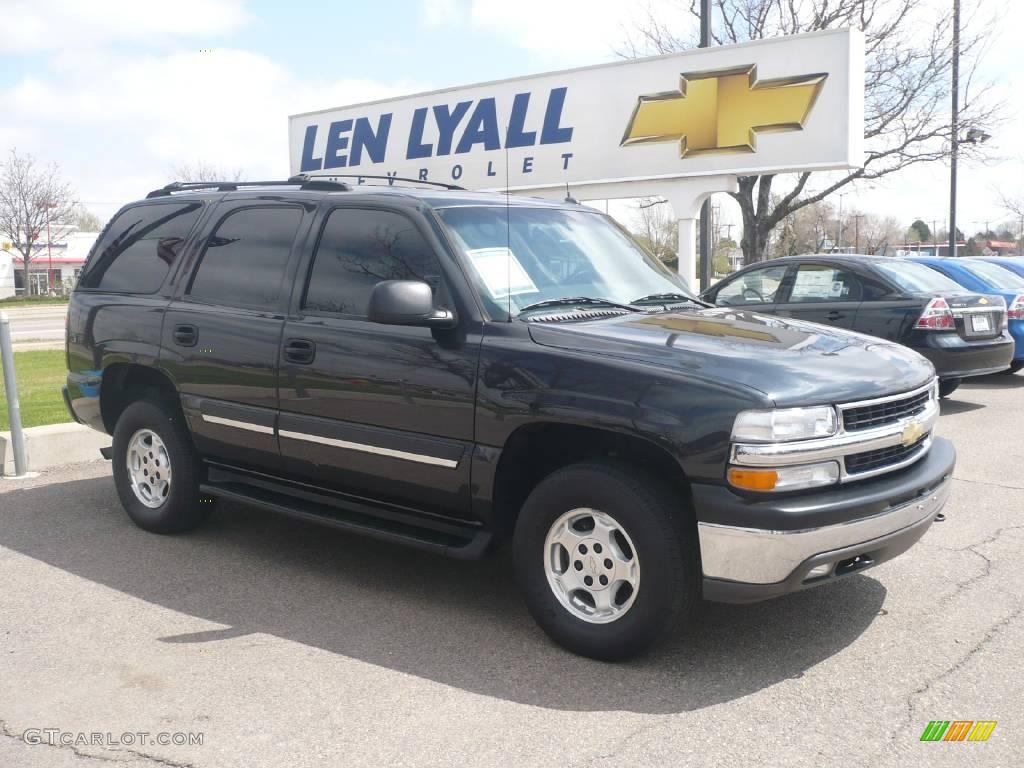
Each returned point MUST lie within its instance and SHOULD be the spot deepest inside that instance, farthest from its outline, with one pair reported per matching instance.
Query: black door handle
(186, 335)
(299, 351)
(835, 315)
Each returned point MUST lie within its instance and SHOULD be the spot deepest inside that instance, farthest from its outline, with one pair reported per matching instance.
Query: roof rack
(383, 178)
(302, 181)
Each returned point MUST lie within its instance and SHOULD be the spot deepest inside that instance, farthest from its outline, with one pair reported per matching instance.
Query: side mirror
(407, 302)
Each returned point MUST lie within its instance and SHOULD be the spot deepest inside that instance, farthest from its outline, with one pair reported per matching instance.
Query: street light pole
(839, 236)
(955, 128)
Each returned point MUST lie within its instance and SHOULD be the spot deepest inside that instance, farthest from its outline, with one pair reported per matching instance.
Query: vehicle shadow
(995, 381)
(462, 624)
(949, 407)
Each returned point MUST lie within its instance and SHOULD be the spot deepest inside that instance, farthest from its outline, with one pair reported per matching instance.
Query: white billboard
(770, 106)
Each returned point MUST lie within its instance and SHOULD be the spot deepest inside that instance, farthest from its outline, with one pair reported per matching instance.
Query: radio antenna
(508, 237)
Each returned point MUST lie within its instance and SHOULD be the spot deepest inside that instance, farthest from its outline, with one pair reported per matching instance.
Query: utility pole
(935, 236)
(955, 126)
(705, 208)
(856, 238)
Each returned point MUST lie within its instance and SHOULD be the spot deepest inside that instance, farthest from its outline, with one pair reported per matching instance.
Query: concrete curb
(54, 445)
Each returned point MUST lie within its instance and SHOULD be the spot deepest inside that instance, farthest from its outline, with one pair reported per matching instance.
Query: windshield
(522, 256)
(914, 277)
(994, 275)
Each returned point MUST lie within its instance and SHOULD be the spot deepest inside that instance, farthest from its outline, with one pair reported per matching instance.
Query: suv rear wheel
(155, 469)
(603, 559)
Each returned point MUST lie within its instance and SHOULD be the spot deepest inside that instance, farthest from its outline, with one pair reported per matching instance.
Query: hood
(789, 361)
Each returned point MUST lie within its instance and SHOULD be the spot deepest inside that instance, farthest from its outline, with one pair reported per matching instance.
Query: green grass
(40, 373)
(33, 301)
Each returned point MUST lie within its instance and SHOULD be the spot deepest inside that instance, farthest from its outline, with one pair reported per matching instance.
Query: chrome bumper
(756, 556)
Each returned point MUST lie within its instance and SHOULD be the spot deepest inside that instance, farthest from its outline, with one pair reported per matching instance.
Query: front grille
(882, 457)
(867, 416)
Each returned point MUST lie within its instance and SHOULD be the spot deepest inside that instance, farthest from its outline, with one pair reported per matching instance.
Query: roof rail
(389, 179)
(302, 181)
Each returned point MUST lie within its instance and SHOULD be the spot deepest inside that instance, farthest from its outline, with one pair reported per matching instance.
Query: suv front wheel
(604, 559)
(155, 469)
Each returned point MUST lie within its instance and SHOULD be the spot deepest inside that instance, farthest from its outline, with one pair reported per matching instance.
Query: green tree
(924, 234)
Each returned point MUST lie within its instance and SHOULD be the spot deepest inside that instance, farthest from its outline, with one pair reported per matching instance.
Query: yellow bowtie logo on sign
(723, 111)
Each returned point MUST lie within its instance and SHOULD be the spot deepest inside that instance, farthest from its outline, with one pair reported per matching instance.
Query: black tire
(183, 508)
(665, 544)
(1015, 366)
(948, 386)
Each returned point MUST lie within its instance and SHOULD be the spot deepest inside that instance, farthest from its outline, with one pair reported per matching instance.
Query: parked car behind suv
(962, 332)
(982, 275)
(441, 369)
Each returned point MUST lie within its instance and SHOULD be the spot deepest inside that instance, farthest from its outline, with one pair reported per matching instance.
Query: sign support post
(706, 257)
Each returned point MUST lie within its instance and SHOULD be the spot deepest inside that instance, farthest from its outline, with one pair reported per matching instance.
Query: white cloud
(31, 25)
(118, 123)
(571, 31)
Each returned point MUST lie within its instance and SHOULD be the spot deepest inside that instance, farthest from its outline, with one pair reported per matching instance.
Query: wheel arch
(534, 451)
(123, 383)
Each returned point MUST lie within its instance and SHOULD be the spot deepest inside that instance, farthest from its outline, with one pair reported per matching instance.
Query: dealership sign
(770, 106)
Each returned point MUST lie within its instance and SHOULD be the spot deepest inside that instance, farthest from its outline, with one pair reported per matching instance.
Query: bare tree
(907, 74)
(32, 199)
(85, 220)
(1015, 205)
(201, 170)
(657, 228)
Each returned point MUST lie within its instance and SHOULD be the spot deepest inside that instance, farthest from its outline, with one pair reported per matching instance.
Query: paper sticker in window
(501, 272)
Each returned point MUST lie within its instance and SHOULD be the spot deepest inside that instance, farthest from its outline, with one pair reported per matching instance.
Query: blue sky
(118, 92)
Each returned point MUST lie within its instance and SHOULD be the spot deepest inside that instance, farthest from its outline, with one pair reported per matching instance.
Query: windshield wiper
(666, 298)
(577, 300)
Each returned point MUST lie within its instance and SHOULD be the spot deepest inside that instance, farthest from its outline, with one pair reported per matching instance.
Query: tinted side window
(758, 286)
(139, 246)
(358, 249)
(819, 282)
(246, 256)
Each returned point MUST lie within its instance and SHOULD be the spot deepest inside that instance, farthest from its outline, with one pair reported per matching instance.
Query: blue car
(1004, 278)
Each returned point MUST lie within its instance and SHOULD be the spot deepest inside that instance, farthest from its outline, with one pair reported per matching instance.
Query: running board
(463, 542)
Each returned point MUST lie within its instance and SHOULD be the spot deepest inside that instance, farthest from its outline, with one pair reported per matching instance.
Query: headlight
(785, 478)
(785, 424)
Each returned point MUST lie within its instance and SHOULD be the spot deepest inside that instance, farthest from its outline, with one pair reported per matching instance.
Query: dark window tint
(139, 247)
(758, 286)
(819, 282)
(246, 256)
(360, 248)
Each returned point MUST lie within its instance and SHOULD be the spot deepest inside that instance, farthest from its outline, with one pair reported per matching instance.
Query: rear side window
(358, 249)
(139, 246)
(245, 257)
(915, 278)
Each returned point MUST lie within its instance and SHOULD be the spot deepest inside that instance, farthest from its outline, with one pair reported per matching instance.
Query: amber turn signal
(753, 479)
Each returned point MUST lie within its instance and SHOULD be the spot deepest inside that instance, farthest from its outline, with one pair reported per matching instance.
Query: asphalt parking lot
(285, 644)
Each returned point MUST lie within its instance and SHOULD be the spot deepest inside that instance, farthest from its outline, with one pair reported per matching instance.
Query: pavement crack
(973, 651)
(107, 756)
(621, 744)
(962, 586)
(989, 483)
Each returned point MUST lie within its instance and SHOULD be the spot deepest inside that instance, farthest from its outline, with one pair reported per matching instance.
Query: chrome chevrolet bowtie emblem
(912, 433)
